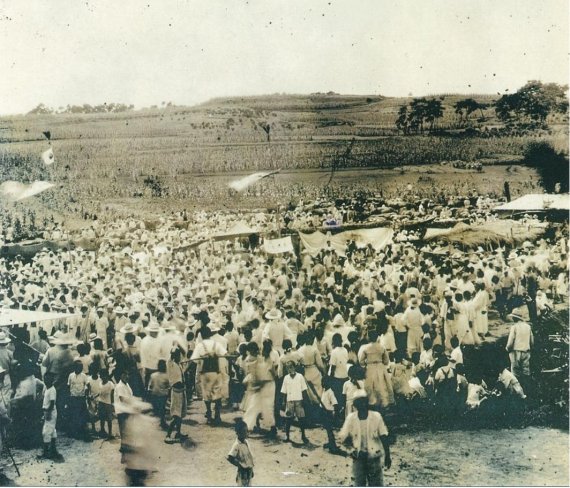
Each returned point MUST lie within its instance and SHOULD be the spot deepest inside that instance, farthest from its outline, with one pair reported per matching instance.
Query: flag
(15, 191)
(246, 181)
(48, 157)
(47, 133)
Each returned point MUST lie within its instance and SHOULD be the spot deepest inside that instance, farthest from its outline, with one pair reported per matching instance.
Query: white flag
(15, 191)
(48, 157)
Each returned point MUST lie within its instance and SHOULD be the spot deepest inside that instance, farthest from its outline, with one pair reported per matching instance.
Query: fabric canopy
(378, 238)
(537, 201)
(10, 316)
(240, 229)
(489, 232)
(278, 246)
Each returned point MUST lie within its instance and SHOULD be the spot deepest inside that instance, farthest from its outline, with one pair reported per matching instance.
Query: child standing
(294, 390)
(105, 404)
(49, 432)
(240, 455)
(330, 407)
(158, 388)
(93, 390)
(351, 386)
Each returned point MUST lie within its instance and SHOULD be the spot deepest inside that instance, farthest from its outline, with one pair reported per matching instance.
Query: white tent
(537, 201)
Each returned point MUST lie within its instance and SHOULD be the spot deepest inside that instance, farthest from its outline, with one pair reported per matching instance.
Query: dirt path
(530, 456)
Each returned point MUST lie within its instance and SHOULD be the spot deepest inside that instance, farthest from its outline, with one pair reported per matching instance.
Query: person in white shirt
(330, 408)
(362, 433)
(519, 344)
(78, 414)
(476, 394)
(509, 383)
(208, 353)
(150, 351)
(338, 369)
(294, 389)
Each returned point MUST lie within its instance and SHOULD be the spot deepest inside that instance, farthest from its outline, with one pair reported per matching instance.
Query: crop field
(226, 135)
(104, 160)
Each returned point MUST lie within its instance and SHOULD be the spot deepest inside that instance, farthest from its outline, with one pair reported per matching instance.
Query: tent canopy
(537, 201)
(240, 229)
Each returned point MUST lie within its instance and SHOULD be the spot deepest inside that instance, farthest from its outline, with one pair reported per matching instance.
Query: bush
(552, 166)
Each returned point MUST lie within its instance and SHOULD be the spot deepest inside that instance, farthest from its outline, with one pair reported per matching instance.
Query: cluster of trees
(532, 104)
(419, 114)
(43, 109)
(466, 107)
(527, 108)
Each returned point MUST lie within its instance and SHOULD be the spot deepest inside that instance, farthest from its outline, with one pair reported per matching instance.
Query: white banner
(278, 246)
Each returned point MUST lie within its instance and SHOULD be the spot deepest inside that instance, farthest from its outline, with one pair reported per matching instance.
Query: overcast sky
(63, 52)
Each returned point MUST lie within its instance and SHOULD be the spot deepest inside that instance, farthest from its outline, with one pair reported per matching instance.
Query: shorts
(295, 409)
(178, 403)
(105, 412)
(48, 431)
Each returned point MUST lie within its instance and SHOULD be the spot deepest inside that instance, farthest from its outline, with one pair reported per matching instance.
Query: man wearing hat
(58, 361)
(150, 351)
(519, 344)
(364, 433)
(276, 330)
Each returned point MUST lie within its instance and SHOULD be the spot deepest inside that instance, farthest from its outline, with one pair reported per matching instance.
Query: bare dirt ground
(530, 456)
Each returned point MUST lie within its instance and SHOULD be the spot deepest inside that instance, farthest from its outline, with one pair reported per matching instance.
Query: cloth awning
(378, 237)
(537, 201)
(9, 316)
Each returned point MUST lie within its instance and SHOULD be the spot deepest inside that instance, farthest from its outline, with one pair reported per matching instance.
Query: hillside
(227, 135)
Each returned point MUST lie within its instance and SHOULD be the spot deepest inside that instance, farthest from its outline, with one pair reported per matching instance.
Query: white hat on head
(128, 329)
(273, 314)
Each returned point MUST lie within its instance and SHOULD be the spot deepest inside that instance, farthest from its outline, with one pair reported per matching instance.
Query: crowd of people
(163, 313)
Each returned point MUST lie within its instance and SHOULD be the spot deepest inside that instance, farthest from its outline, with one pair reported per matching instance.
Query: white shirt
(151, 348)
(329, 400)
(121, 390)
(339, 359)
(294, 387)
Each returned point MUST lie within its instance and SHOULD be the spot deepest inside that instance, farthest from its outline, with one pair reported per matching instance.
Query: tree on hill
(532, 103)
(419, 113)
(41, 109)
(464, 108)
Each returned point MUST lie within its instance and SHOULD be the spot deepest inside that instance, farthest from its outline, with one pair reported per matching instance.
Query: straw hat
(273, 314)
(128, 329)
(153, 327)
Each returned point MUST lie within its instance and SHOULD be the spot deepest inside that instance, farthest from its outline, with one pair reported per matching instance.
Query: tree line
(529, 108)
(86, 108)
